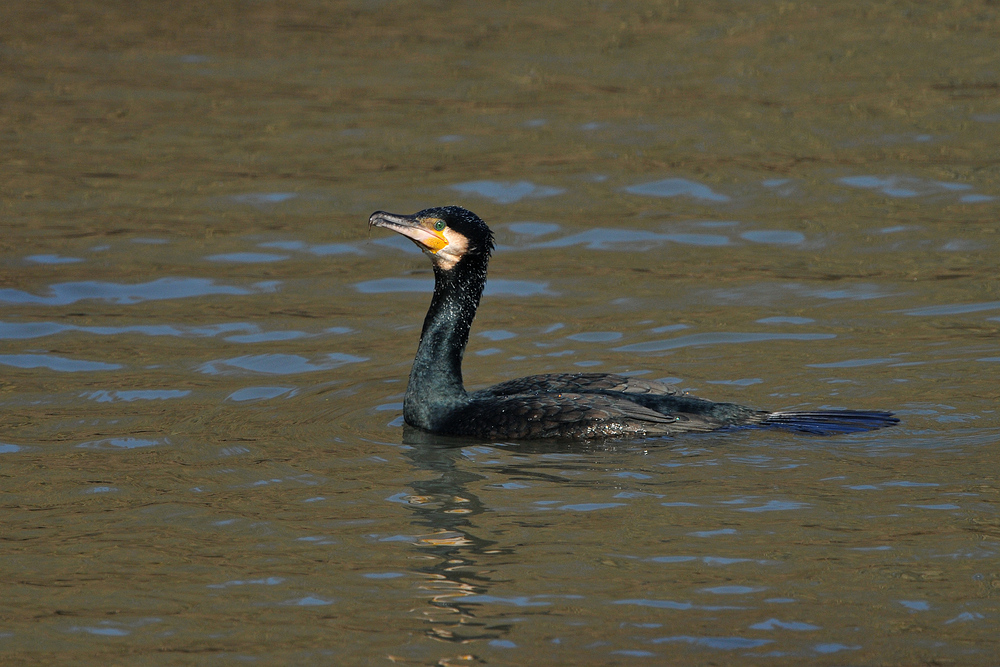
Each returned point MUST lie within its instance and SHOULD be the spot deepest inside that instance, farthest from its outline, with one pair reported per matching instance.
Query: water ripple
(776, 506)
(52, 362)
(954, 309)
(264, 198)
(673, 187)
(774, 237)
(52, 259)
(602, 238)
(590, 507)
(247, 257)
(506, 192)
(62, 294)
(671, 604)
(135, 395)
(122, 443)
(733, 590)
(902, 187)
(775, 624)
(523, 601)
(259, 393)
(533, 228)
(716, 339)
(245, 331)
(723, 643)
(915, 605)
(278, 364)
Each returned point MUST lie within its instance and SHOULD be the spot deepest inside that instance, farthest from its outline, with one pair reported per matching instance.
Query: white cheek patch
(448, 256)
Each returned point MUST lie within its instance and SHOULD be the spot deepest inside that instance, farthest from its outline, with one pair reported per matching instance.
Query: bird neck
(436, 377)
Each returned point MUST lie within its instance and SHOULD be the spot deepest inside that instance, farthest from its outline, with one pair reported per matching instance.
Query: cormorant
(563, 405)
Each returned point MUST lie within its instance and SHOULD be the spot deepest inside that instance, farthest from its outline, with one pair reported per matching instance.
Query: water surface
(204, 349)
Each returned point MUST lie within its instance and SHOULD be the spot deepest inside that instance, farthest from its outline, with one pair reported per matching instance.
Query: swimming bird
(561, 405)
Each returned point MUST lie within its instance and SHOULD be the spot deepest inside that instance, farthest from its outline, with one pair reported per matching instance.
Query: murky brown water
(203, 353)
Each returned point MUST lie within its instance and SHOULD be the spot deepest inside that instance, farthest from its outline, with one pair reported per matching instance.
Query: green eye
(439, 225)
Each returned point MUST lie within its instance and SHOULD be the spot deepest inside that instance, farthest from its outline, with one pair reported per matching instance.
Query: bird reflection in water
(458, 557)
(461, 562)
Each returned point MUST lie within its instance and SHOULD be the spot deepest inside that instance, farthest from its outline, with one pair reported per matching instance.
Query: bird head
(447, 234)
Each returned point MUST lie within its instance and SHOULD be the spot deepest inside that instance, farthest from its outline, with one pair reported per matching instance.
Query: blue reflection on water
(247, 257)
(954, 309)
(744, 382)
(506, 192)
(785, 320)
(915, 605)
(523, 601)
(774, 237)
(252, 333)
(964, 617)
(258, 393)
(327, 249)
(942, 506)
(278, 364)
(52, 259)
(602, 238)
(249, 333)
(717, 339)
(284, 245)
(533, 228)
(713, 533)
(266, 337)
(708, 560)
(909, 186)
(733, 590)
(122, 443)
(671, 604)
(55, 363)
(259, 198)
(106, 632)
(775, 624)
(136, 395)
(723, 643)
(310, 601)
(673, 187)
(269, 581)
(497, 334)
(890, 186)
(590, 507)
(595, 336)
(776, 506)
(834, 648)
(62, 294)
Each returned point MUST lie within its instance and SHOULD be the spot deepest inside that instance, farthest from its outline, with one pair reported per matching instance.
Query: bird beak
(419, 230)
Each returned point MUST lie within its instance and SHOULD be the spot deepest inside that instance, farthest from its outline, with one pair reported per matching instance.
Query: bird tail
(830, 422)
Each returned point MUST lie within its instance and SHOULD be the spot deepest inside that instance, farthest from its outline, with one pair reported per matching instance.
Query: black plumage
(566, 405)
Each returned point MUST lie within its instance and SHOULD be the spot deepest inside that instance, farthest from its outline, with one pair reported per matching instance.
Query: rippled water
(204, 349)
